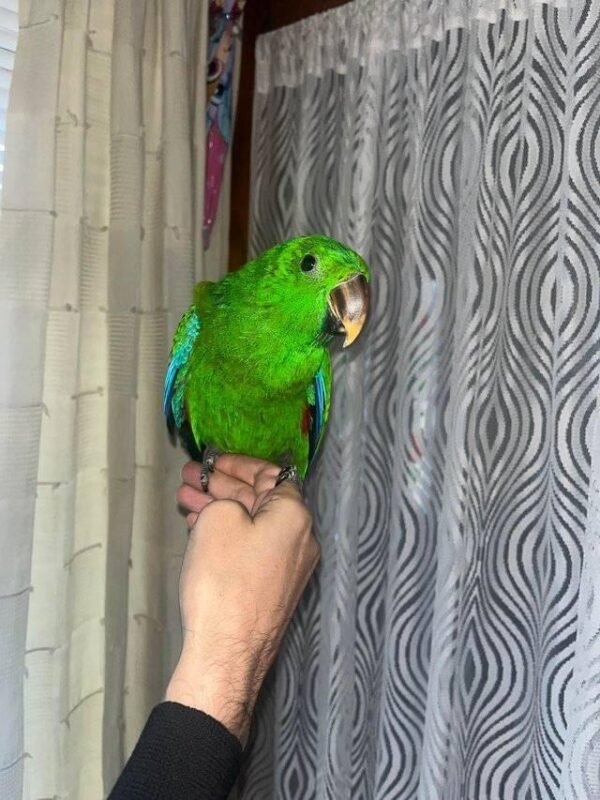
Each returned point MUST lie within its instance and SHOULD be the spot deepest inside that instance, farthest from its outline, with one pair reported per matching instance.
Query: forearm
(227, 685)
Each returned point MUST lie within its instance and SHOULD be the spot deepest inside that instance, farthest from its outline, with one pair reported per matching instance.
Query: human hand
(249, 557)
(240, 478)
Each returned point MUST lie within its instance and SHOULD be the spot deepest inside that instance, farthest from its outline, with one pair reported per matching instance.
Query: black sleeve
(182, 754)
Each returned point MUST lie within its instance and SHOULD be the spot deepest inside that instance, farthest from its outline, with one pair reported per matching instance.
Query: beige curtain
(100, 234)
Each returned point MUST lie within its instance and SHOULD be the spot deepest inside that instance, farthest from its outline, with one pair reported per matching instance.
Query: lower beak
(348, 306)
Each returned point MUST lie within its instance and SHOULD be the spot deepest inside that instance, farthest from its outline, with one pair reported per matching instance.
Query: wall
(260, 16)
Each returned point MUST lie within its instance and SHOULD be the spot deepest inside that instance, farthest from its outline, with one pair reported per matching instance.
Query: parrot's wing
(183, 343)
(319, 400)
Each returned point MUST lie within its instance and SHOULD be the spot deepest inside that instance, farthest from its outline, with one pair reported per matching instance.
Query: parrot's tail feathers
(172, 430)
(189, 442)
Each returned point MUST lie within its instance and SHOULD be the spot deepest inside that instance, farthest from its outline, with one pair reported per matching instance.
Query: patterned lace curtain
(449, 648)
(100, 245)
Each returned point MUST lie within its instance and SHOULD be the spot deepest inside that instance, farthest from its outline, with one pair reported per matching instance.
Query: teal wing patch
(318, 398)
(183, 342)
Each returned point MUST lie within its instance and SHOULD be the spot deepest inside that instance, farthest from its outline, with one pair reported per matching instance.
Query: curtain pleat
(99, 236)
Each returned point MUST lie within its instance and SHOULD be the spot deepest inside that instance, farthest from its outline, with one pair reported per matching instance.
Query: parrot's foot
(208, 465)
(291, 474)
(210, 457)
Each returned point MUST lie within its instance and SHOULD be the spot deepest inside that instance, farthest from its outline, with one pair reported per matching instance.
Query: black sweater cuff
(182, 753)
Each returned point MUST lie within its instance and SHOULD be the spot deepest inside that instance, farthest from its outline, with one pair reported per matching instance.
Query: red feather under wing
(306, 421)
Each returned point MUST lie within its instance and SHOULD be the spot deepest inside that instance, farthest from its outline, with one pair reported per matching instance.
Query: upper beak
(348, 306)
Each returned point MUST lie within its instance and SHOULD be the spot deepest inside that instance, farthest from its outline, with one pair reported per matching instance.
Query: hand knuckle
(230, 510)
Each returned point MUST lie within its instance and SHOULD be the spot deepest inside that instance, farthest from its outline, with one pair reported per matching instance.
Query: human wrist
(224, 689)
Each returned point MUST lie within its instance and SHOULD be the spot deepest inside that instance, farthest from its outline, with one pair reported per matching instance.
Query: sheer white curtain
(450, 646)
(100, 246)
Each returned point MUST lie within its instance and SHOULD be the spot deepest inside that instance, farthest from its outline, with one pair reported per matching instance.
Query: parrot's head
(322, 284)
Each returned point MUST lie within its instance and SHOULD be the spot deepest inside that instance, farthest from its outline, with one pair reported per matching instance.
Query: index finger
(244, 468)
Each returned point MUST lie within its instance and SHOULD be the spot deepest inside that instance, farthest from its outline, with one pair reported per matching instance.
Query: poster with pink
(224, 29)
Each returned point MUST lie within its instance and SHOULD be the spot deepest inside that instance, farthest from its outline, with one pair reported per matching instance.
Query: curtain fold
(448, 647)
(100, 231)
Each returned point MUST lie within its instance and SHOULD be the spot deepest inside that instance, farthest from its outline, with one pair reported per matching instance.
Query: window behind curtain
(9, 29)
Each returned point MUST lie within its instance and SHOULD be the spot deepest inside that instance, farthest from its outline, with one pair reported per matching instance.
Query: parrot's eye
(308, 263)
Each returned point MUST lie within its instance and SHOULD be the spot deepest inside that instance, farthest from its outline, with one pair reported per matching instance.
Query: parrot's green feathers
(249, 369)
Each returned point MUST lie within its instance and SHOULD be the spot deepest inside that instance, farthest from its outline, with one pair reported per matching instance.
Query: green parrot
(249, 370)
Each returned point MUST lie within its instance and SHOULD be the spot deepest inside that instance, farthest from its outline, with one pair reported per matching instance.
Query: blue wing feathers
(317, 414)
(173, 400)
(169, 389)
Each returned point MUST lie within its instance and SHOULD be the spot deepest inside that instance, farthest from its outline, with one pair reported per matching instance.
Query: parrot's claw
(209, 461)
(210, 458)
(290, 473)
